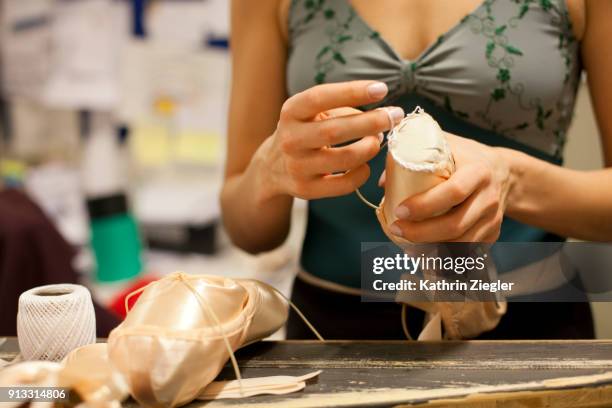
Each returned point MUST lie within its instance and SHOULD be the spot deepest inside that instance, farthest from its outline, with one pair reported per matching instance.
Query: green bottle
(114, 238)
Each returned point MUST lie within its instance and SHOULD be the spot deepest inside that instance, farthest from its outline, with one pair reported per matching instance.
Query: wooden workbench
(439, 374)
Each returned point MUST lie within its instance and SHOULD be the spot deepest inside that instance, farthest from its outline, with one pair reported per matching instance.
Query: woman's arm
(569, 202)
(258, 92)
(281, 149)
(490, 182)
(597, 58)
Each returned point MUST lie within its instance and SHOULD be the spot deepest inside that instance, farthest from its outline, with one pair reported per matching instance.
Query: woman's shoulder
(255, 17)
(283, 17)
(577, 14)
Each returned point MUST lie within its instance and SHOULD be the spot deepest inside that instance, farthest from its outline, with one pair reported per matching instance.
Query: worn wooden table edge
(542, 394)
(536, 342)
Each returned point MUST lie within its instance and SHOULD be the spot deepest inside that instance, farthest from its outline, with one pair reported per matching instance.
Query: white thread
(382, 146)
(299, 313)
(405, 322)
(391, 122)
(365, 200)
(53, 320)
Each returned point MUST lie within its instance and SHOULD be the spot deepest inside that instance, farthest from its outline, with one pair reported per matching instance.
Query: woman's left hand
(468, 207)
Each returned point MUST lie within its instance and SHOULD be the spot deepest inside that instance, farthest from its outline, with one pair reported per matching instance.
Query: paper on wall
(184, 91)
(197, 148)
(40, 132)
(55, 187)
(150, 145)
(162, 27)
(25, 45)
(87, 36)
(198, 21)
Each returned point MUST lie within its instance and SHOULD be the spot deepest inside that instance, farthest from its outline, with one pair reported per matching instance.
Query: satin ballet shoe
(86, 376)
(29, 374)
(418, 159)
(88, 372)
(184, 328)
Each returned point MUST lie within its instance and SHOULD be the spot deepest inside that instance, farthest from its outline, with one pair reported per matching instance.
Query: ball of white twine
(53, 320)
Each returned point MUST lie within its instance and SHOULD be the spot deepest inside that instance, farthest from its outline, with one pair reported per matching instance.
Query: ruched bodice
(510, 66)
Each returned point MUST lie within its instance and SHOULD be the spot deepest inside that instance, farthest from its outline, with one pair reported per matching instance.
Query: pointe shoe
(418, 159)
(88, 372)
(85, 373)
(176, 338)
(29, 374)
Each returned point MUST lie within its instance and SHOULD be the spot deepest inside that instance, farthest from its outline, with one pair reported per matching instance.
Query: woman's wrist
(527, 193)
(261, 173)
(514, 160)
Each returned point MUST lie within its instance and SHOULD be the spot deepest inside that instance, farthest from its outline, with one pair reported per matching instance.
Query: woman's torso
(506, 74)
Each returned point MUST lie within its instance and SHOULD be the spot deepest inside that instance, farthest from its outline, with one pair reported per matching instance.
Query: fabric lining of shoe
(426, 150)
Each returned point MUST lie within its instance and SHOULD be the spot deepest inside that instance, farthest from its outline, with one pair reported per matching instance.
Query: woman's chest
(409, 26)
(510, 66)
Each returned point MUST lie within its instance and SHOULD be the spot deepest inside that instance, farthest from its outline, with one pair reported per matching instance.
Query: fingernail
(396, 114)
(395, 230)
(377, 90)
(381, 137)
(402, 212)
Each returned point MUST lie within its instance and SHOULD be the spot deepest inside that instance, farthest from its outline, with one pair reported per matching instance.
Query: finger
(341, 184)
(346, 111)
(486, 230)
(446, 227)
(341, 159)
(382, 179)
(343, 129)
(307, 104)
(337, 112)
(443, 197)
(492, 238)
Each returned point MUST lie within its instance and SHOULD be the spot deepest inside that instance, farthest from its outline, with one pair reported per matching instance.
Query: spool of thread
(53, 320)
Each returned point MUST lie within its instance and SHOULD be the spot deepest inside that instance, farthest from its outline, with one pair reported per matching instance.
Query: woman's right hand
(301, 159)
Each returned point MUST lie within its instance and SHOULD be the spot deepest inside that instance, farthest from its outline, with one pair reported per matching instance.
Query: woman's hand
(302, 158)
(468, 207)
